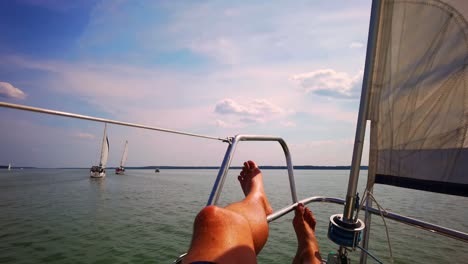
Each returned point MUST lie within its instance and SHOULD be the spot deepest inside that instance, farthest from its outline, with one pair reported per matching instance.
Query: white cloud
(356, 45)
(328, 82)
(83, 135)
(256, 107)
(9, 91)
(249, 111)
(228, 106)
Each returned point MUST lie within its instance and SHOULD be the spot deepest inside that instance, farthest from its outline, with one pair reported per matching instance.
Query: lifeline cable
(104, 120)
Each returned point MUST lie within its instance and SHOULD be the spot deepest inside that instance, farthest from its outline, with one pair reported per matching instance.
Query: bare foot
(304, 225)
(249, 171)
(251, 181)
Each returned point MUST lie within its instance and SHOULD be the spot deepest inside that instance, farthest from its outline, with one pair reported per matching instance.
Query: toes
(252, 164)
(250, 169)
(245, 169)
(309, 217)
(298, 219)
(299, 212)
(246, 165)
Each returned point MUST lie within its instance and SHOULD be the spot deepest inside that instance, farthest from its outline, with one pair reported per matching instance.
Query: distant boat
(156, 170)
(121, 168)
(100, 171)
(9, 166)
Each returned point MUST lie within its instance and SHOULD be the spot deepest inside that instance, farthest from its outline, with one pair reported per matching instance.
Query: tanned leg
(236, 233)
(255, 207)
(307, 248)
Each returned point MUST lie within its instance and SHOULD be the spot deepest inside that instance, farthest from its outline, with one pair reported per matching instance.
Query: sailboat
(121, 168)
(100, 171)
(9, 166)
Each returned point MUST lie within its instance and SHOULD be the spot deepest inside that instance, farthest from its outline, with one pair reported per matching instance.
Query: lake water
(63, 216)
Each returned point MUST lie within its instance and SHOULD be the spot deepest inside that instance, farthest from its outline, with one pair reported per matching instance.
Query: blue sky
(220, 68)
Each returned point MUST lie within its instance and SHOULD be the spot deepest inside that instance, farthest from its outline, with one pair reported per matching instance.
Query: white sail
(419, 95)
(104, 149)
(9, 166)
(124, 155)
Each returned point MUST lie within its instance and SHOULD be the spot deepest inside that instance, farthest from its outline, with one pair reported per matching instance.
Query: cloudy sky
(218, 68)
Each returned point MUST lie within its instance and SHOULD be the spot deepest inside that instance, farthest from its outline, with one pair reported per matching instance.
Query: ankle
(310, 255)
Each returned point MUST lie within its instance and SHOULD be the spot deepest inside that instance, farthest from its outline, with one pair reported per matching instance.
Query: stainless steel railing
(233, 141)
(455, 234)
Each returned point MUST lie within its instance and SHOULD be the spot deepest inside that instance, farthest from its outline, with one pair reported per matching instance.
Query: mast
(345, 230)
(363, 109)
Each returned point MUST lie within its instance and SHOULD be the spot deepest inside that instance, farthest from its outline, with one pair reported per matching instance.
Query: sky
(217, 68)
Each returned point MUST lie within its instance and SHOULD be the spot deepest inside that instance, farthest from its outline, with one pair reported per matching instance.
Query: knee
(208, 213)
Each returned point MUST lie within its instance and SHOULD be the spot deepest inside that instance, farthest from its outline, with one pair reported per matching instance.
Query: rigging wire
(104, 120)
(367, 195)
(363, 200)
(385, 224)
(370, 254)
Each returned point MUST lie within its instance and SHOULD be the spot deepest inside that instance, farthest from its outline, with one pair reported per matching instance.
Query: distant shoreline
(298, 167)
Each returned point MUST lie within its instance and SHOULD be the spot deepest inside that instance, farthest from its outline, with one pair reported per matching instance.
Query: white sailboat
(100, 171)
(9, 166)
(121, 168)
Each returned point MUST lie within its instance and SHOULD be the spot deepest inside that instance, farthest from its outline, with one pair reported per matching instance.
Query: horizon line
(199, 167)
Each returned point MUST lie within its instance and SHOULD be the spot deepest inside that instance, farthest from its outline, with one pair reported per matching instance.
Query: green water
(62, 216)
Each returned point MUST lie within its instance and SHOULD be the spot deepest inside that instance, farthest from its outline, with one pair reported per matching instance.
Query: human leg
(221, 236)
(307, 248)
(255, 207)
(236, 233)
